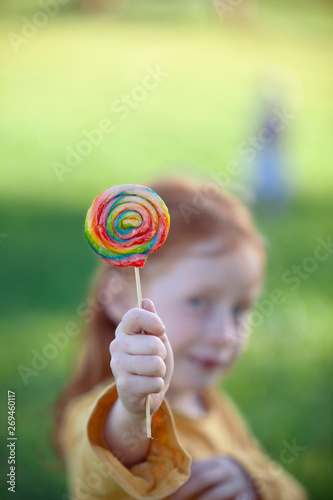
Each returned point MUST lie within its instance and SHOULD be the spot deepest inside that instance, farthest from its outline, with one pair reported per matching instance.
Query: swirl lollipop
(123, 226)
(126, 223)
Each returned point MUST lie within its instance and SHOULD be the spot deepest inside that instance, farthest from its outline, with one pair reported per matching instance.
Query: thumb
(148, 305)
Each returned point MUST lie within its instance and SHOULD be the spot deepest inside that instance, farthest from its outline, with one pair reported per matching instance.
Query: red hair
(198, 210)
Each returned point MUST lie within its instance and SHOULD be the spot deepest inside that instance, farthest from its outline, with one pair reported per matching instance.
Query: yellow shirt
(95, 473)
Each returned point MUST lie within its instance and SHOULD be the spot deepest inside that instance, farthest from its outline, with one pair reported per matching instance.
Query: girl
(201, 285)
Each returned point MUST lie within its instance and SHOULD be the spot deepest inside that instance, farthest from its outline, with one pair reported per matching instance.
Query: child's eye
(197, 302)
(239, 311)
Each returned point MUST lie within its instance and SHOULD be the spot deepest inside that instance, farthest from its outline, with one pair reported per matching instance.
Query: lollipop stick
(139, 294)
(138, 286)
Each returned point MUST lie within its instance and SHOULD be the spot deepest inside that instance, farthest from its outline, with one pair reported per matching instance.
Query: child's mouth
(206, 363)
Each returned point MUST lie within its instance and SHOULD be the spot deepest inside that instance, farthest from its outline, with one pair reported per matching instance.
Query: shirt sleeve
(96, 473)
(269, 479)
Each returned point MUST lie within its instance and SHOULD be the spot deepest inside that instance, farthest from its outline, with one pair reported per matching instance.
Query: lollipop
(126, 223)
(123, 226)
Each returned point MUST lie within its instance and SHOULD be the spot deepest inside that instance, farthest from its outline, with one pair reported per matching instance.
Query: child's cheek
(239, 347)
(243, 330)
(181, 342)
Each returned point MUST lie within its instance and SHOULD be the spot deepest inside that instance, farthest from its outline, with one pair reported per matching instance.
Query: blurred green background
(61, 79)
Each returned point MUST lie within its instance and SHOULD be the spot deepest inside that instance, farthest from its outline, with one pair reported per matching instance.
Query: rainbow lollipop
(123, 226)
(126, 223)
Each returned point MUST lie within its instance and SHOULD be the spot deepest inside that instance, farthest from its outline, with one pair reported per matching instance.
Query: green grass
(65, 81)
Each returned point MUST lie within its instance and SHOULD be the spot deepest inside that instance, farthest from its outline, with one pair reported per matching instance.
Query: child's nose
(221, 329)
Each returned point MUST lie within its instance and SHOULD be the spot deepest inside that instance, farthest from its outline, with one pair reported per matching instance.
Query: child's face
(203, 301)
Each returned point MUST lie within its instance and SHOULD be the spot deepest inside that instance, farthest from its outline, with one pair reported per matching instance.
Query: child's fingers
(139, 345)
(148, 305)
(139, 385)
(137, 319)
(150, 366)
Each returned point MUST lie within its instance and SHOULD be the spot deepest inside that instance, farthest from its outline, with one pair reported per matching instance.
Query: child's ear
(118, 295)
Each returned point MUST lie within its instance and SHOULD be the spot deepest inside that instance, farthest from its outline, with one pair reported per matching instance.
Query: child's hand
(141, 364)
(218, 478)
